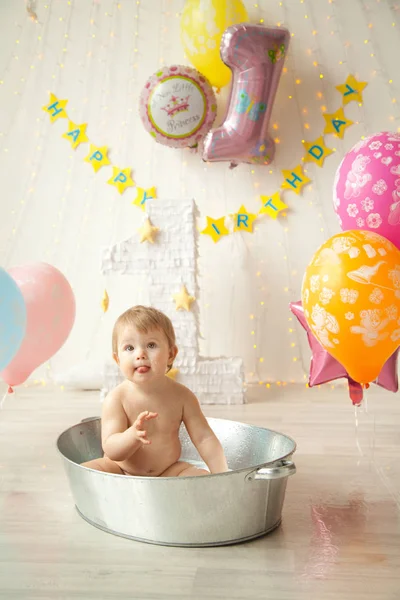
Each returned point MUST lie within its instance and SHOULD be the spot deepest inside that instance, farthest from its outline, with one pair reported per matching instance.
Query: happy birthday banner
(294, 179)
(98, 155)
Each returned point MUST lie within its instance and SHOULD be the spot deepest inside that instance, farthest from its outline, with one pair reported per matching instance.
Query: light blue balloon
(12, 318)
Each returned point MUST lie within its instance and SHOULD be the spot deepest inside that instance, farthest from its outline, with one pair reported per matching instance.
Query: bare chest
(169, 412)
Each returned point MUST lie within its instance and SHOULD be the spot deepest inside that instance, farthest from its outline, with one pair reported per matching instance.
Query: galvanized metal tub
(211, 510)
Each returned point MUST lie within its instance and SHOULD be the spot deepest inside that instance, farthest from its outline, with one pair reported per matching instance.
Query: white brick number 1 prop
(168, 264)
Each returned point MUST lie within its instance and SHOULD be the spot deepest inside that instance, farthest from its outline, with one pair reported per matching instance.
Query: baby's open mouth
(142, 369)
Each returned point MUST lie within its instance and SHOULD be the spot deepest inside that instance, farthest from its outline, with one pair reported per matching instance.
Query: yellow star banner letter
(76, 134)
(295, 180)
(351, 90)
(316, 151)
(272, 205)
(56, 108)
(143, 195)
(215, 228)
(97, 157)
(121, 178)
(243, 220)
(337, 123)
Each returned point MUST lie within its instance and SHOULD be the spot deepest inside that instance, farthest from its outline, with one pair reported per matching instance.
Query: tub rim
(177, 478)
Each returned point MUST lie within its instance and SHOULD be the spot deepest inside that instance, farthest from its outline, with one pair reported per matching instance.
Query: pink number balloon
(255, 54)
(366, 191)
(50, 309)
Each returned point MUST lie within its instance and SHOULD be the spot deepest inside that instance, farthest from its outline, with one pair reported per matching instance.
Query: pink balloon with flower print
(366, 190)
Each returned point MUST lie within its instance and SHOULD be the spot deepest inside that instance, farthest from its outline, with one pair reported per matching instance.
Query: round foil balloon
(366, 192)
(178, 106)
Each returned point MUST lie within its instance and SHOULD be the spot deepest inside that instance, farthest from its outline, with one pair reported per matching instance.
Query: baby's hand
(141, 433)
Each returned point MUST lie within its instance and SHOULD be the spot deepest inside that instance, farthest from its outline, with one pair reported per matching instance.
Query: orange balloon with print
(351, 300)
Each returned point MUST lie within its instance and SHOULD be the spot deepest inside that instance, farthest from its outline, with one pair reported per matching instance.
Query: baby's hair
(144, 318)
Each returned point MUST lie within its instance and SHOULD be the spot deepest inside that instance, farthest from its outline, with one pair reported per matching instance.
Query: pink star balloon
(325, 368)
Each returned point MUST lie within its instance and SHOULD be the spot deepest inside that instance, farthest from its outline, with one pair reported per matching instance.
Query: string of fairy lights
(29, 199)
(114, 209)
(314, 54)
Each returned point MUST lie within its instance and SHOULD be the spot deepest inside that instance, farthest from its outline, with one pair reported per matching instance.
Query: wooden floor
(339, 540)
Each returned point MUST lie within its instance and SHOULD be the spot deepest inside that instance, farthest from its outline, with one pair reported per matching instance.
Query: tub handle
(284, 469)
(89, 419)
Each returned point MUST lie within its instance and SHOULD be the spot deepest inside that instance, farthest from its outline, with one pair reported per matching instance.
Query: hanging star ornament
(97, 157)
(324, 368)
(173, 373)
(295, 179)
(56, 108)
(243, 220)
(272, 205)
(337, 123)
(105, 302)
(76, 134)
(147, 232)
(351, 90)
(121, 179)
(183, 300)
(143, 195)
(215, 228)
(316, 151)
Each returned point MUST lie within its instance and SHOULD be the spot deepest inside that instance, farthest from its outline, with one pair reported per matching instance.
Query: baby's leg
(183, 469)
(104, 464)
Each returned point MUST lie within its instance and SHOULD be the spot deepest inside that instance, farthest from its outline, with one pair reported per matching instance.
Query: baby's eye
(129, 348)
(151, 345)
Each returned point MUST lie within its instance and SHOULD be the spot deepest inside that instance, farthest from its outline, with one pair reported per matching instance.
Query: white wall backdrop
(54, 208)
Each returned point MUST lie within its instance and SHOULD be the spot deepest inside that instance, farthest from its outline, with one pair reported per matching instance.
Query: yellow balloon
(202, 25)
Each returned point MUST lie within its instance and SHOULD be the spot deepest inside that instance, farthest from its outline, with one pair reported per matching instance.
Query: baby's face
(143, 357)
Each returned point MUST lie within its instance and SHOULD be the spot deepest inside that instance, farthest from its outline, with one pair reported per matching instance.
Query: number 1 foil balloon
(256, 55)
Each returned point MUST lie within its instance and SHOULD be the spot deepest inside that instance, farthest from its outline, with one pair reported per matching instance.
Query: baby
(141, 417)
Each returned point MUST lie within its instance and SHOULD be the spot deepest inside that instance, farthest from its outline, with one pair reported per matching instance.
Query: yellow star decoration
(105, 301)
(272, 205)
(295, 179)
(56, 108)
(143, 195)
(76, 134)
(121, 178)
(337, 123)
(97, 157)
(215, 228)
(172, 373)
(243, 220)
(183, 300)
(351, 90)
(147, 232)
(316, 151)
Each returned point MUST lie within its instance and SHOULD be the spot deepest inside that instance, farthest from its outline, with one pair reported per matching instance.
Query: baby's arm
(119, 441)
(202, 436)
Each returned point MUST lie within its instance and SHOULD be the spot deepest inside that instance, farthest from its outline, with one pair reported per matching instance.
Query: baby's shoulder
(180, 391)
(114, 398)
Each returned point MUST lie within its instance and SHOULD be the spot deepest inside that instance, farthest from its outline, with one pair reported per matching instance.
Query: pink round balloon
(366, 191)
(178, 106)
(50, 309)
(256, 55)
